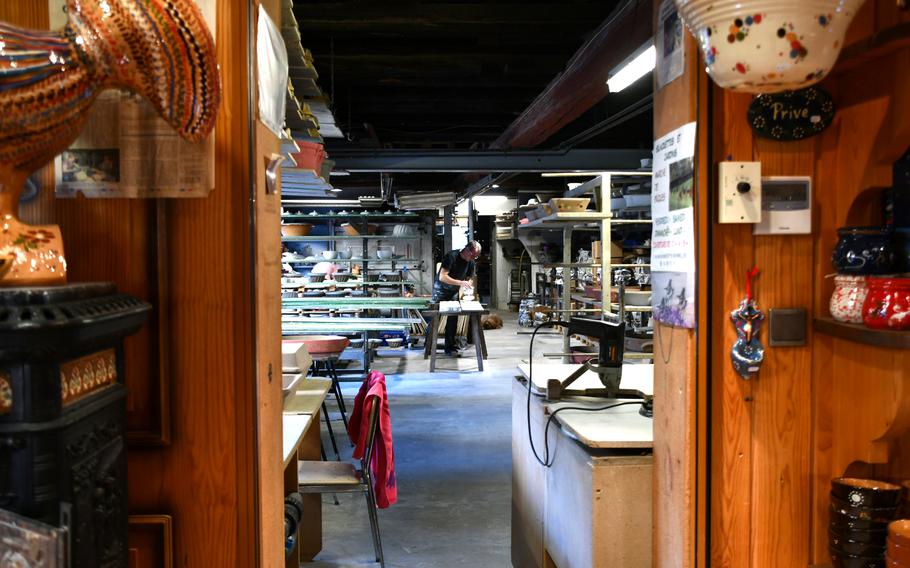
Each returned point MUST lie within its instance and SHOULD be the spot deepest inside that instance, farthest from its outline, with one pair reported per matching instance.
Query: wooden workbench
(592, 507)
(480, 342)
(301, 441)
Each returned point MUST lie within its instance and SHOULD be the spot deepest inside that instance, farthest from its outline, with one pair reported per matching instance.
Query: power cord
(546, 461)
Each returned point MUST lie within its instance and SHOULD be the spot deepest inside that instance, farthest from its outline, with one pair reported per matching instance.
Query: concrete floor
(452, 436)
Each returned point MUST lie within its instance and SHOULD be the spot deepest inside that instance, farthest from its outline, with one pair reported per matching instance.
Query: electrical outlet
(739, 194)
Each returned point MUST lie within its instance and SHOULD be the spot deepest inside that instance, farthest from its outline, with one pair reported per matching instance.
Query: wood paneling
(206, 477)
(677, 501)
(815, 411)
(151, 541)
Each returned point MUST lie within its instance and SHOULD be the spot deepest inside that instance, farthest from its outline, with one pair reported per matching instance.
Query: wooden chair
(343, 477)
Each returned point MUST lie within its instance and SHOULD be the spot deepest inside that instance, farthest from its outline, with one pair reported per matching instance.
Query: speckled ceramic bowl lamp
(768, 46)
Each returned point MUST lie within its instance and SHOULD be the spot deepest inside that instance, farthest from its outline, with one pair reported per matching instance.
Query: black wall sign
(791, 115)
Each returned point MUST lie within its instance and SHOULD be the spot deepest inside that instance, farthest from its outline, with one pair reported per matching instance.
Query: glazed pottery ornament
(747, 353)
(768, 46)
(887, 304)
(846, 303)
(161, 50)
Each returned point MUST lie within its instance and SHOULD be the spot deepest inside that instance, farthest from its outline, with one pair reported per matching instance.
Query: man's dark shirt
(458, 267)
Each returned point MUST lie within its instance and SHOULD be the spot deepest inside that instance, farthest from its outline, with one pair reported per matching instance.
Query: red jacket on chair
(382, 463)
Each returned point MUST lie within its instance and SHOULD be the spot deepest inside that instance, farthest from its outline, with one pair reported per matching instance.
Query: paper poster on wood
(671, 49)
(673, 233)
(127, 150)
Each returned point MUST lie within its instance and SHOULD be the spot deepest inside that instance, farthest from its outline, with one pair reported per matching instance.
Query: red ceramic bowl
(887, 305)
(325, 344)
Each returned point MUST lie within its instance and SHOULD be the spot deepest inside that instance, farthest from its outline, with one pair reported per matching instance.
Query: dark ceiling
(451, 74)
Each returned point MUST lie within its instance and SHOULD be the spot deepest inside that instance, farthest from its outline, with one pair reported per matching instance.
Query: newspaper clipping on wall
(127, 150)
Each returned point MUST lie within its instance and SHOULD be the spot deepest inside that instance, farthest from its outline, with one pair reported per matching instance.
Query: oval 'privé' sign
(791, 115)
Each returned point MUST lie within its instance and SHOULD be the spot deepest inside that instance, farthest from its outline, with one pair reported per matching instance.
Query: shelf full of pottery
(355, 250)
(872, 284)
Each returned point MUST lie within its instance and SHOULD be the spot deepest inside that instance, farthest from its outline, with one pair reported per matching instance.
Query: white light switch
(740, 192)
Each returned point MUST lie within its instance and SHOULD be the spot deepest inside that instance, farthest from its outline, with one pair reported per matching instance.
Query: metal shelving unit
(602, 220)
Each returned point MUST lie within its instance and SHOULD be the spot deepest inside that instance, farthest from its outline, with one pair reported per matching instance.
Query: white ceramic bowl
(344, 254)
(637, 298)
(330, 254)
(384, 254)
(768, 46)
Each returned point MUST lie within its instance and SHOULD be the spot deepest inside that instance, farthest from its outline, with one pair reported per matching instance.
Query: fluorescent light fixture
(335, 190)
(334, 173)
(495, 186)
(637, 66)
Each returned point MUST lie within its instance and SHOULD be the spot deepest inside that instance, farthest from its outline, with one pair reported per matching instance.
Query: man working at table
(455, 273)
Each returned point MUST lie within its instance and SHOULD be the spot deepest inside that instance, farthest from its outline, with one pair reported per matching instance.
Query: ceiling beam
(487, 161)
(583, 83)
(379, 15)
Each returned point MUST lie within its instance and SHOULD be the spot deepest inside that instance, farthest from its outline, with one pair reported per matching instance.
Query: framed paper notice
(671, 47)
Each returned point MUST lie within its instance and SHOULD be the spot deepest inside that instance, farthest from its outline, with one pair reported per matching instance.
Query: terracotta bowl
(297, 230)
(324, 344)
(898, 553)
(899, 532)
(866, 492)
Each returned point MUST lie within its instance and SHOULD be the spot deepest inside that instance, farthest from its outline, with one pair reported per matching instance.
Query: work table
(592, 507)
(620, 427)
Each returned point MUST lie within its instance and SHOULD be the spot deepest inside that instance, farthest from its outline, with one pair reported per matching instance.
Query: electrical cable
(545, 461)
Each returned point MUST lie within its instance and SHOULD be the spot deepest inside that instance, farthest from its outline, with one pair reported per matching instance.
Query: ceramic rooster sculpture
(161, 50)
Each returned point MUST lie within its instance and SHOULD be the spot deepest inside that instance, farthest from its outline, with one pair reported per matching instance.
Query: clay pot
(846, 304)
(296, 230)
(863, 251)
(887, 305)
(768, 46)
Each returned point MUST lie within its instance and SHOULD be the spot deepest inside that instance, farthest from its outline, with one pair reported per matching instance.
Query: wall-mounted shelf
(862, 334)
(352, 260)
(370, 216)
(348, 238)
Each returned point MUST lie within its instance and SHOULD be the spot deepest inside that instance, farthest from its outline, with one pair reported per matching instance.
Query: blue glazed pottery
(863, 251)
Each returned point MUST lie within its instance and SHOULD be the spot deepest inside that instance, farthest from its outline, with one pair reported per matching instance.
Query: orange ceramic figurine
(159, 49)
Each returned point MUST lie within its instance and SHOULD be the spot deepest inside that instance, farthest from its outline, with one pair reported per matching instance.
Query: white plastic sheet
(272, 60)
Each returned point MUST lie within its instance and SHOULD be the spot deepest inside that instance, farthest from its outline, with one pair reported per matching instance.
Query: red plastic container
(887, 305)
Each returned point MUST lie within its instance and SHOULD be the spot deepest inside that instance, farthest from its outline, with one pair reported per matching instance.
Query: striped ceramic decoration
(160, 49)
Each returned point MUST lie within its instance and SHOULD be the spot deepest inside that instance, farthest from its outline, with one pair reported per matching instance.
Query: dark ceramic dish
(853, 547)
(863, 251)
(866, 492)
(841, 560)
(879, 514)
(844, 524)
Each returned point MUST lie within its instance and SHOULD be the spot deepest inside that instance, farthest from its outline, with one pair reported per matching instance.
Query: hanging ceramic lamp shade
(768, 46)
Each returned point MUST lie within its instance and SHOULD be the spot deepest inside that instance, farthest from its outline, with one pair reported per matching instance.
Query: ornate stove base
(63, 413)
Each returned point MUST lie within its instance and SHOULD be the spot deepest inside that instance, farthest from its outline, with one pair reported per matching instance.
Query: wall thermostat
(786, 206)
(740, 192)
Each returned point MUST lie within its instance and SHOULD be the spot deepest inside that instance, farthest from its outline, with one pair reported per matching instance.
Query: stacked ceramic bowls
(860, 512)
(897, 554)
